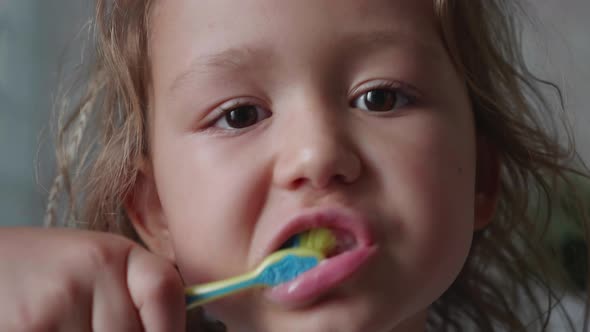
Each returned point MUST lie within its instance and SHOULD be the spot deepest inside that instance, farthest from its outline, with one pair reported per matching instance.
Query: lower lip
(319, 280)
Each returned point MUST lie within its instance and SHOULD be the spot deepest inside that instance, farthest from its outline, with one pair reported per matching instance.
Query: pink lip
(336, 218)
(319, 280)
(330, 272)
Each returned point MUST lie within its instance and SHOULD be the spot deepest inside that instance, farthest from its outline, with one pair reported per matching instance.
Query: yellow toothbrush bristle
(320, 239)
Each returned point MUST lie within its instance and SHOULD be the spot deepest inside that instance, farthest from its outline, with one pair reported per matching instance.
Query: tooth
(346, 241)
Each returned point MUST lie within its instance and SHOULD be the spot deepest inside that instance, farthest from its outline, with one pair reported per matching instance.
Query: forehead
(210, 10)
(185, 30)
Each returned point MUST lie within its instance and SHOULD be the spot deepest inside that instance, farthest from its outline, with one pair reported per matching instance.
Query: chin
(331, 313)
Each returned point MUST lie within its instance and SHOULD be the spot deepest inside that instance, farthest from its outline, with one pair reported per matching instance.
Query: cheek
(430, 178)
(206, 199)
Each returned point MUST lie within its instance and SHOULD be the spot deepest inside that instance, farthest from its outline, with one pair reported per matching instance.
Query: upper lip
(338, 218)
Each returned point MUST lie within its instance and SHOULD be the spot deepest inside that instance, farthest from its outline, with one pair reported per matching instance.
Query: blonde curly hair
(102, 138)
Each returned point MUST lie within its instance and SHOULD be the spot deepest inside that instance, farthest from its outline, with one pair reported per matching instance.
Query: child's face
(352, 106)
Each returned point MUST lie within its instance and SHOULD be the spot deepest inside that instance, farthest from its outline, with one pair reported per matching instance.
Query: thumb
(157, 292)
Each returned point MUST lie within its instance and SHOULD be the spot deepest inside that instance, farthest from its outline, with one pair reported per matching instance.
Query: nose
(316, 151)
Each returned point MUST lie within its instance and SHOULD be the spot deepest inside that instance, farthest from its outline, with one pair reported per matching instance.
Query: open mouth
(343, 240)
(351, 248)
(350, 230)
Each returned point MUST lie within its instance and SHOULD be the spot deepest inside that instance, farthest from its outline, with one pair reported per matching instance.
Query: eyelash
(409, 93)
(224, 110)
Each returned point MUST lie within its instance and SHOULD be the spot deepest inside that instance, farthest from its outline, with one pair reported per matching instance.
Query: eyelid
(235, 103)
(222, 109)
(409, 90)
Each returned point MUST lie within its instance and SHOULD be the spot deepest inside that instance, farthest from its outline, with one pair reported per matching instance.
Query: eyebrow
(241, 58)
(379, 38)
(232, 59)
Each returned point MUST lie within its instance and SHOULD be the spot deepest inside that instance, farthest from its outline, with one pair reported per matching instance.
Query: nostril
(341, 178)
(299, 183)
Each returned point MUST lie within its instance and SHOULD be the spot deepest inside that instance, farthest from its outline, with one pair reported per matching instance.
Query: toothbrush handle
(201, 294)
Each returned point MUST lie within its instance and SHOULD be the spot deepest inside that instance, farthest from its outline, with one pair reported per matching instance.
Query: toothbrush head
(287, 264)
(301, 253)
(318, 239)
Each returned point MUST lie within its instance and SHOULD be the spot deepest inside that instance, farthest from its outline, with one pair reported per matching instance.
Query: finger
(71, 305)
(157, 292)
(112, 306)
(56, 303)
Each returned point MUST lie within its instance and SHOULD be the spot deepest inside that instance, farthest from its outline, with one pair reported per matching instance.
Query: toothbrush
(302, 253)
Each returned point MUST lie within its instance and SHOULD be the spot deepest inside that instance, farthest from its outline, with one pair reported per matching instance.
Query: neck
(416, 323)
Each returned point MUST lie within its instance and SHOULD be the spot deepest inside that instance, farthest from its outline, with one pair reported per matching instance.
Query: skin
(76, 281)
(211, 197)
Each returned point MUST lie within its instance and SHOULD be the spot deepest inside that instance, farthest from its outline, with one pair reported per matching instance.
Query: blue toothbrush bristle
(287, 269)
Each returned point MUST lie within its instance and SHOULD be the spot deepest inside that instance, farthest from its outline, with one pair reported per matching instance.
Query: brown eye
(242, 117)
(380, 100)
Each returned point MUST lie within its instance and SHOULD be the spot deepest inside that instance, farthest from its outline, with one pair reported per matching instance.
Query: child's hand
(67, 280)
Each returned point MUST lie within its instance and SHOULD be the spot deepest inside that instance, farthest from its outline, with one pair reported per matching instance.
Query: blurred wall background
(34, 35)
